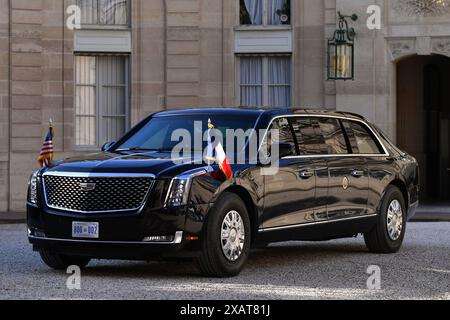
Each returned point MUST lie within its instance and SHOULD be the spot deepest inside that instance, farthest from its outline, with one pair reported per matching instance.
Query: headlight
(178, 194)
(32, 193)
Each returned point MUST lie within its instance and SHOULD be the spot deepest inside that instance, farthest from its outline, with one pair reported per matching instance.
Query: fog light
(159, 239)
(36, 233)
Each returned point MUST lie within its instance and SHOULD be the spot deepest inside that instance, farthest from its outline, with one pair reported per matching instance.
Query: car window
(157, 132)
(285, 133)
(309, 142)
(365, 142)
(334, 137)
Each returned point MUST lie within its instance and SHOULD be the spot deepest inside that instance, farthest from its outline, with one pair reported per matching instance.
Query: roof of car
(271, 112)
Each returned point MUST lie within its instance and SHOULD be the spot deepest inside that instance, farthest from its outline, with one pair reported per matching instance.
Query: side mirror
(286, 150)
(107, 146)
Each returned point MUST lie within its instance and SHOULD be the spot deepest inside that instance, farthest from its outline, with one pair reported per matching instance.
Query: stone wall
(4, 104)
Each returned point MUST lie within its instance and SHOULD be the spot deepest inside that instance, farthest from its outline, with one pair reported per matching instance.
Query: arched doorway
(423, 120)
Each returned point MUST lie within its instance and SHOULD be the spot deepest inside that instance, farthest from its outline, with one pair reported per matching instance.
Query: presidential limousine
(338, 176)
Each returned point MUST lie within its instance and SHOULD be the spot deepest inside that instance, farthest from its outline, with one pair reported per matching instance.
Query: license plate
(89, 230)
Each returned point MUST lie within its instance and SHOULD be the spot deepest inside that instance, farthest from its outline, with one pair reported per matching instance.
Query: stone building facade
(131, 58)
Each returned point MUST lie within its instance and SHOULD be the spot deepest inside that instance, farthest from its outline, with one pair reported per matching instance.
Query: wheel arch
(246, 197)
(402, 186)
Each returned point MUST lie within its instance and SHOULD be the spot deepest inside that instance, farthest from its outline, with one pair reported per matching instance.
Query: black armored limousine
(338, 176)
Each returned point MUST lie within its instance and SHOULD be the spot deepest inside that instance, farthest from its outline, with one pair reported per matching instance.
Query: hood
(159, 164)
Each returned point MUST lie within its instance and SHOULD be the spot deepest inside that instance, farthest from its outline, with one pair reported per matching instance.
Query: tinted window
(285, 133)
(365, 143)
(333, 135)
(309, 142)
(157, 132)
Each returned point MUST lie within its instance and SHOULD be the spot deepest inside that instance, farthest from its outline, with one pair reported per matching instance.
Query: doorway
(423, 120)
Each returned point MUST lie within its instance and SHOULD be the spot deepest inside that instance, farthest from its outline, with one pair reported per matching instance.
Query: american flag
(46, 155)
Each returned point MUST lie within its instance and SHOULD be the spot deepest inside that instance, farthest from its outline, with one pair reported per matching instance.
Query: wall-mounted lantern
(341, 51)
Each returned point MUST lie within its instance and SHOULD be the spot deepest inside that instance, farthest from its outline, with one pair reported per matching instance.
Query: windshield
(163, 134)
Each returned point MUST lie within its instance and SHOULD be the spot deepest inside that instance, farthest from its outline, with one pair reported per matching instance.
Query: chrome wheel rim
(232, 236)
(395, 220)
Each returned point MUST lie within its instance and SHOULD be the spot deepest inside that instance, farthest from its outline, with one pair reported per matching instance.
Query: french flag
(217, 154)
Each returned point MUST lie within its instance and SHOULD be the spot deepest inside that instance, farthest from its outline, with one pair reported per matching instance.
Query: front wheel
(388, 235)
(62, 262)
(226, 243)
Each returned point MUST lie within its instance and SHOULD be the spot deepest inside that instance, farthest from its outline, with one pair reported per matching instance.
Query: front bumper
(121, 236)
(116, 249)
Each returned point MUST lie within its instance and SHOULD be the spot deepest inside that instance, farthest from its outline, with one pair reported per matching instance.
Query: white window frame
(265, 76)
(98, 101)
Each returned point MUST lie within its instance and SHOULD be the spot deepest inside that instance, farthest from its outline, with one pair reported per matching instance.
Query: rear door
(367, 146)
(348, 185)
(289, 194)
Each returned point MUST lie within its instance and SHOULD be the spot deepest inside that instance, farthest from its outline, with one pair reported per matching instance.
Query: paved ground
(332, 270)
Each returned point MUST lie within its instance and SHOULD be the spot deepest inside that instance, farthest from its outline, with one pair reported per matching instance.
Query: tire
(213, 261)
(62, 262)
(379, 239)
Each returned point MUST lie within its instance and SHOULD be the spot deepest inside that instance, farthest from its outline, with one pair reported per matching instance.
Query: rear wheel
(62, 262)
(226, 242)
(387, 236)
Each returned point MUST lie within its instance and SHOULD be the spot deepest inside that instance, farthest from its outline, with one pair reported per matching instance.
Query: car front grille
(87, 194)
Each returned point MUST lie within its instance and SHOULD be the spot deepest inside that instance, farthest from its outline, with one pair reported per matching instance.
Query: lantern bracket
(344, 32)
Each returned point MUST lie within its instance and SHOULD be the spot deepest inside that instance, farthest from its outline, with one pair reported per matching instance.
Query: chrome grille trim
(81, 175)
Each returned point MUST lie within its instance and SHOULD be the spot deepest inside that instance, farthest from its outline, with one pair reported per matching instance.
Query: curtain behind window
(112, 97)
(104, 12)
(85, 101)
(251, 80)
(88, 11)
(255, 11)
(275, 8)
(114, 12)
(280, 82)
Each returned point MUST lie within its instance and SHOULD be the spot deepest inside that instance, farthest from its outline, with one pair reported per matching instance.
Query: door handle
(357, 173)
(306, 174)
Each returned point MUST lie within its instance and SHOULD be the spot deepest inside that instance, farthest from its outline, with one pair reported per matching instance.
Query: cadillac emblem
(87, 187)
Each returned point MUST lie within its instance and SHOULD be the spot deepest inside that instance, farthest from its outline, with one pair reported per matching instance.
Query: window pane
(364, 140)
(279, 82)
(113, 99)
(279, 12)
(251, 12)
(113, 12)
(85, 70)
(333, 135)
(85, 131)
(251, 81)
(310, 143)
(285, 133)
(113, 128)
(85, 101)
(88, 11)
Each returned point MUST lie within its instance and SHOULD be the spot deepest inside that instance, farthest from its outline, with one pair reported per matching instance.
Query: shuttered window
(101, 99)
